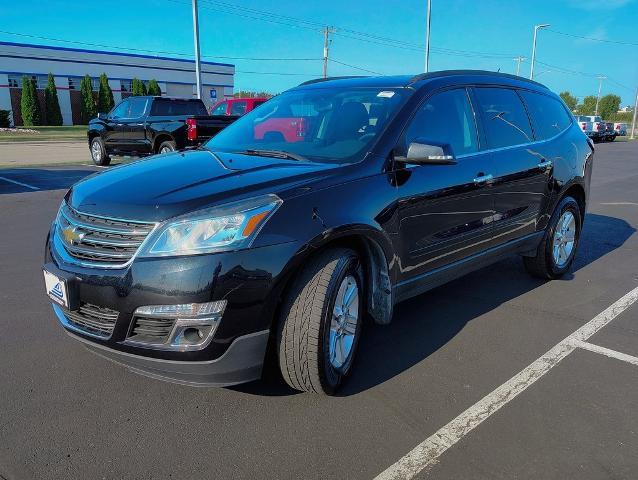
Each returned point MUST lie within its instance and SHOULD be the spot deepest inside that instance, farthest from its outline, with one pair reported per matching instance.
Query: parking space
(68, 414)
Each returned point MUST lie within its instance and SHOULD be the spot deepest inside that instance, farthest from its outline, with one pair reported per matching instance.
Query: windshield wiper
(274, 153)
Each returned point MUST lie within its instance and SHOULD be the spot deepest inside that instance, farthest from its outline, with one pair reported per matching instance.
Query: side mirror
(420, 153)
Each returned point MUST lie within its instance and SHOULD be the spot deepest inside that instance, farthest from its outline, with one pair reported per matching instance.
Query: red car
(236, 106)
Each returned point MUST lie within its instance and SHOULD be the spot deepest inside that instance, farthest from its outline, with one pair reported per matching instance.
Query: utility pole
(427, 36)
(536, 29)
(600, 86)
(633, 124)
(326, 49)
(198, 68)
(518, 64)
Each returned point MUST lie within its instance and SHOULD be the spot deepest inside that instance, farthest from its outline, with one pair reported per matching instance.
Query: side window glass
(219, 109)
(238, 108)
(445, 118)
(548, 115)
(504, 116)
(138, 107)
(121, 111)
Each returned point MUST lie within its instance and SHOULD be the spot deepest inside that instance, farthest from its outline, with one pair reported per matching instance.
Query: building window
(15, 81)
(95, 83)
(74, 83)
(126, 85)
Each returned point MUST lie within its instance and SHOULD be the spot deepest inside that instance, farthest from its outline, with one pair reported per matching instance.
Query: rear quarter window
(549, 116)
(169, 108)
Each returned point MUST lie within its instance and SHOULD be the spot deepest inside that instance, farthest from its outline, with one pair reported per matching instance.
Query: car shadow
(424, 324)
(21, 180)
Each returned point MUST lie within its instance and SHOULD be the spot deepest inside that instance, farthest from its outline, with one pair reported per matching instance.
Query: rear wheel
(557, 250)
(98, 152)
(320, 325)
(167, 146)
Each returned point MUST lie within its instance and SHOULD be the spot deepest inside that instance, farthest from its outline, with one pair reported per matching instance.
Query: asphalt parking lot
(494, 376)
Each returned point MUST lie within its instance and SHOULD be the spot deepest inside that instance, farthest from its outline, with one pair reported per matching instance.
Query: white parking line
(607, 352)
(427, 453)
(19, 183)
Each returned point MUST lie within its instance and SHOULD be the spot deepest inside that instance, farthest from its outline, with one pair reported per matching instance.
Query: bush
(105, 101)
(154, 89)
(54, 115)
(29, 105)
(138, 88)
(4, 118)
(87, 110)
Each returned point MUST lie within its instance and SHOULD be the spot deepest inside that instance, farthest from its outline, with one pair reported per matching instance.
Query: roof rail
(447, 73)
(319, 80)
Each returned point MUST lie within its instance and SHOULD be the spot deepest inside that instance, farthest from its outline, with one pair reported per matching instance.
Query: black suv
(187, 266)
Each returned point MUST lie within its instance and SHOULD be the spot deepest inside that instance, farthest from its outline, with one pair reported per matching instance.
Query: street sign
(213, 94)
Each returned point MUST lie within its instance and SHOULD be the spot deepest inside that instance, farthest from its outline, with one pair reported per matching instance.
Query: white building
(175, 76)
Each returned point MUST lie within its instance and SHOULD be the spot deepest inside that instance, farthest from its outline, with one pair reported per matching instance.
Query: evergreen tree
(88, 110)
(154, 89)
(105, 101)
(54, 115)
(138, 88)
(29, 105)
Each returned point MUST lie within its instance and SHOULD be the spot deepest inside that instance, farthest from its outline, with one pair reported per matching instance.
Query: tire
(98, 152)
(548, 262)
(167, 146)
(308, 338)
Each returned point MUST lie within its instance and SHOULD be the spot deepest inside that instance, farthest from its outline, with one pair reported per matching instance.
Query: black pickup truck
(148, 125)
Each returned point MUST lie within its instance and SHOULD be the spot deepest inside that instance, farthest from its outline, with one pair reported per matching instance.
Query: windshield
(323, 124)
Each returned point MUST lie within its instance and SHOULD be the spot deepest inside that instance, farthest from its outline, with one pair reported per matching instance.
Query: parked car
(148, 125)
(620, 128)
(187, 268)
(610, 132)
(587, 126)
(598, 127)
(236, 106)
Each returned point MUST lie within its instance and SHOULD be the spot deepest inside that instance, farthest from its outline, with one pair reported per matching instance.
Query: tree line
(90, 105)
(608, 106)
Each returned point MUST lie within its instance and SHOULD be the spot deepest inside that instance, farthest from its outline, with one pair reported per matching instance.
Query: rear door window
(121, 111)
(445, 118)
(169, 108)
(238, 108)
(504, 117)
(138, 107)
(548, 115)
(220, 109)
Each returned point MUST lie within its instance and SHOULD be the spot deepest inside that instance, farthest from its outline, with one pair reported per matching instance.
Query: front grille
(151, 330)
(99, 321)
(98, 239)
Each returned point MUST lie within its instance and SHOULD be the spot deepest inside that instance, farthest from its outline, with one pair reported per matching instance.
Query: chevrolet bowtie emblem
(72, 236)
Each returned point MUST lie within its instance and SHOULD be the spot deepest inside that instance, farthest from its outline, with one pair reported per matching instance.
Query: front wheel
(320, 325)
(98, 153)
(557, 250)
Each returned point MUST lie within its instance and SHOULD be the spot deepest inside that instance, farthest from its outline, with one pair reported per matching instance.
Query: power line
(604, 40)
(355, 67)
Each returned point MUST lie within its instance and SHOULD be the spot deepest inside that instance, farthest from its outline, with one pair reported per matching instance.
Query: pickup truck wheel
(167, 147)
(320, 325)
(557, 250)
(98, 152)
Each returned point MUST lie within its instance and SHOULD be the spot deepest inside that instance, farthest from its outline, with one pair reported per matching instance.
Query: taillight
(599, 127)
(583, 126)
(191, 126)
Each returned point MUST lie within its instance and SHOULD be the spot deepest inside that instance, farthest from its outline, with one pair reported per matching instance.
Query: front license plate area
(60, 288)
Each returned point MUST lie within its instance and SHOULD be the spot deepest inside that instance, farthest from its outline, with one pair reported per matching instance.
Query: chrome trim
(545, 164)
(59, 312)
(484, 179)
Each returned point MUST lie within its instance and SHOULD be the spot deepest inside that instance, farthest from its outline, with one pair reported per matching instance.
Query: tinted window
(238, 108)
(121, 111)
(548, 115)
(505, 118)
(177, 108)
(256, 103)
(219, 109)
(445, 118)
(138, 107)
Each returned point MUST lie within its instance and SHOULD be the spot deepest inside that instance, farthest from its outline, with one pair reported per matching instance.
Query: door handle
(483, 179)
(545, 164)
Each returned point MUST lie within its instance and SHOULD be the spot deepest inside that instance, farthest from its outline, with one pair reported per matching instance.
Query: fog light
(193, 328)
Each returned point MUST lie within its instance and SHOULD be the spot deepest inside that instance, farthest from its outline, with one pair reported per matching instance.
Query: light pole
(518, 64)
(198, 69)
(427, 37)
(633, 123)
(536, 29)
(600, 86)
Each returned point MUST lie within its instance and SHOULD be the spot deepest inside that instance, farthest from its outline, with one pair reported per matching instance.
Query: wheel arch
(577, 191)
(160, 138)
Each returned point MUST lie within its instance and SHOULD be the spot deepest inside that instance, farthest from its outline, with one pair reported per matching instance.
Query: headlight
(219, 229)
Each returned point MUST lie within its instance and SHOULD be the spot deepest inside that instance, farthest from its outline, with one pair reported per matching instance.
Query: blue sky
(493, 32)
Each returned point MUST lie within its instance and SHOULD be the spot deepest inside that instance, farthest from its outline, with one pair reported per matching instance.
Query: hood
(165, 186)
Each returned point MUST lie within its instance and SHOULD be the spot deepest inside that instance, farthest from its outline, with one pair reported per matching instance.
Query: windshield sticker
(385, 94)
